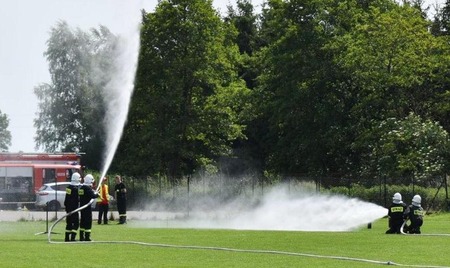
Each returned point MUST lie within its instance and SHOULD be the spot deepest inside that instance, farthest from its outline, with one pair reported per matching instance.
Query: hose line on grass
(256, 251)
(237, 250)
(403, 232)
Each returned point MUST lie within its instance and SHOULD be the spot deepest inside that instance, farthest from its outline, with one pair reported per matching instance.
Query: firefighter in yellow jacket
(103, 202)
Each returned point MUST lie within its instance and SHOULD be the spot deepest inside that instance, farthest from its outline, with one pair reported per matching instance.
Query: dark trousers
(86, 219)
(72, 222)
(394, 226)
(414, 227)
(103, 213)
(122, 209)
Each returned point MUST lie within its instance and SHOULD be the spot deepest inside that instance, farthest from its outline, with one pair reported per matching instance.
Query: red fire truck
(22, 174)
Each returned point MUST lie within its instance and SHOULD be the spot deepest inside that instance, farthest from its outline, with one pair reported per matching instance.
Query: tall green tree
(248, 39)
(392, 59)
(246, 22)
(5, 134)
(71, 107)
(188, 99)
(296, 92)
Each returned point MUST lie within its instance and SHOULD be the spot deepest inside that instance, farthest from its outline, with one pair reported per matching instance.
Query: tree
(419, 5)
(5, 134)
(392, 62)
(71, 107)
(413, 148)
(246, 22)
(185, 110)
(300, 97)
(441, 22)
(248, 39)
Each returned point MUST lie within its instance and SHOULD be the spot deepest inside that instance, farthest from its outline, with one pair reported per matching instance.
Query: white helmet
(88, 180)
(417, 200)
(75, 179)
(397, 198)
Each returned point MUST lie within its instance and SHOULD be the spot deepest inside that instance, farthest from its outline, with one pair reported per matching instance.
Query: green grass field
(21, 247)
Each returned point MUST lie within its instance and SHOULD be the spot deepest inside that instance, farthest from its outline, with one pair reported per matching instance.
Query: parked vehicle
(51, 196)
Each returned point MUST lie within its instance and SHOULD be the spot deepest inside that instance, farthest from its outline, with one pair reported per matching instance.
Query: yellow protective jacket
(103, 195)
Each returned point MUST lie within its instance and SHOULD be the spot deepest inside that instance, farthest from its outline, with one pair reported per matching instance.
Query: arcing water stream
(118, 91)
(120, 87)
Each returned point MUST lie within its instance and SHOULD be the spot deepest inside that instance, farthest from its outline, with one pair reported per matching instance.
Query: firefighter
(396, 214)
(86, 194)
(71, 203)
(103, 202)
(121, 197)
(414, 213)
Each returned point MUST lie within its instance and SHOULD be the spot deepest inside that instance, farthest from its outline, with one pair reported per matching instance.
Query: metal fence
(158, 193)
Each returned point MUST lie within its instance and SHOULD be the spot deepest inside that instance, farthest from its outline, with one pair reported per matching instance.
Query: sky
(24, 30)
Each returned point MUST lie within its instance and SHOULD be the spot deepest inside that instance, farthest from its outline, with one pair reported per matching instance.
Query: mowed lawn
(132, 246)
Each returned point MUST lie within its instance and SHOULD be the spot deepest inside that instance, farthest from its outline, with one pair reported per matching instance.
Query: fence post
(188, 193)
(446, 192)
(385, 191)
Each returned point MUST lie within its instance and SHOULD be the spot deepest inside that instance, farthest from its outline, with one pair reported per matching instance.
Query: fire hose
(403, 232)
(72, 212)
(342, 258)
(239, 250)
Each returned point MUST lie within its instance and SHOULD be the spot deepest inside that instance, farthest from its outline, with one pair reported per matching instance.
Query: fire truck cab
(22, 174)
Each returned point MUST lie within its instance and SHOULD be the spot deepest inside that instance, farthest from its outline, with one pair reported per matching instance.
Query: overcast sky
(24, 30)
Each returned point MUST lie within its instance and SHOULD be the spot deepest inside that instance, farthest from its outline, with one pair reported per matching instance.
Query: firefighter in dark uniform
(414, 214)
(71, 203)
(396, 214)
(86, 195)
(121, 196)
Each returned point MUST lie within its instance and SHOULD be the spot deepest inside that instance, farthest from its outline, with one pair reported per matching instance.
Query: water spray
(119, 91)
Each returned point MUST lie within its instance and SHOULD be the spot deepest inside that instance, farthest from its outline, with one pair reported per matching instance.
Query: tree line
(356, 89)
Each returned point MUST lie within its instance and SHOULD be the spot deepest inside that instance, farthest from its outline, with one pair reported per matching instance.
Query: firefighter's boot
(87, 236)
(81, 235)
(123, 220)
(73, 236)
(67, 238)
